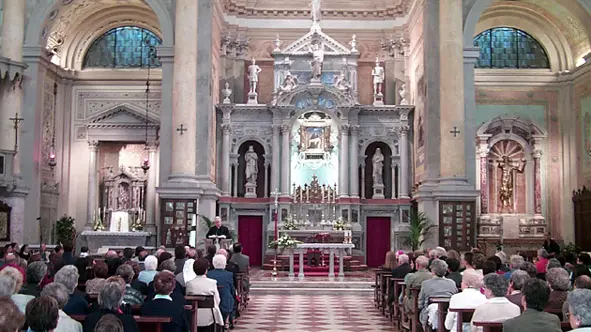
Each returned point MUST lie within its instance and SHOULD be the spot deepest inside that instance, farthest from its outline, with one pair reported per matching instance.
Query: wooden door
(457, 225)
(582, 214)
(250, 235)
(378, 240)
(176, 217)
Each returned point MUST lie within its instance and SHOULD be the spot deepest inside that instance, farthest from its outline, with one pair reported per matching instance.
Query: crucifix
(181, 129)
(455, 131)
(16, 121)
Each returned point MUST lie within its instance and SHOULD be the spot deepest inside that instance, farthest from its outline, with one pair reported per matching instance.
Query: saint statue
(341, 82)
(378, 77)
(317, 51)
(227, 92)
(252, 169)
(402, 93)
(316, 11)
(378, 167)
(507, 167)
(289, 83)
(253, 76)
(123, 198)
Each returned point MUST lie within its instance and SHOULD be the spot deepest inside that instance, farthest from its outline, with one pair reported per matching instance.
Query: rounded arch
(334, 115)
(388, 175)
(472, 18)
(241, 169)
(392, 144)
(40, 17)
(239, 142)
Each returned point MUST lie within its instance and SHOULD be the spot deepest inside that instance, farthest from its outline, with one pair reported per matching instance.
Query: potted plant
(419, 226)
(283, 242)
(65, 232)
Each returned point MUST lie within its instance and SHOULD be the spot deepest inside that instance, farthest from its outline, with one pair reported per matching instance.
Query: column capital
(354, 129)
(285, 129)
(404, 130)
(537, 153)
(344, 129)
(226, 128)
(93, 145)
(276, 129)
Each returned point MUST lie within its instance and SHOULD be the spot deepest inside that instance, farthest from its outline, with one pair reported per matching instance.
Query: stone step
(307, 291)
(310, 283)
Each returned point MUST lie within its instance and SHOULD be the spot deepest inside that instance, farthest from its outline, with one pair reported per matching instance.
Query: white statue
(253, 76)
(316, 11)
(402, 93)
(277, 44)
(227, 92)
(341, 82)
(252, 169)
(289, 83)
(353, 43)
(378, 78)
(317, 51)
(378, 167)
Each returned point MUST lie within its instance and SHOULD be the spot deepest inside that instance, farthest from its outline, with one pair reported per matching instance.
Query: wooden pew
(391, 294)
(379, 287)
(442, 306)
(194, 302)
(412, 323)
(145, 323)
(396, 306)
(498, 327)
(464, 316)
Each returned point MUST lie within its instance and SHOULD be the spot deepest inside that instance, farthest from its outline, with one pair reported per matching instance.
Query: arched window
(123, 47)
(509, 48)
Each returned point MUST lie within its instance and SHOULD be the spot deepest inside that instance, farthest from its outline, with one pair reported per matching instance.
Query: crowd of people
(39, 292)
(524, 296)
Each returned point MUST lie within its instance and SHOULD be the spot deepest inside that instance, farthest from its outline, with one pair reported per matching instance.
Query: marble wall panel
(582, 104)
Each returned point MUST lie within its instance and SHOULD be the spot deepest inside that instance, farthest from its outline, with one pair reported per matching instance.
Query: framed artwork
(4, 221)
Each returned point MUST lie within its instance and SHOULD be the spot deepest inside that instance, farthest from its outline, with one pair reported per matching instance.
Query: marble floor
(312, 313)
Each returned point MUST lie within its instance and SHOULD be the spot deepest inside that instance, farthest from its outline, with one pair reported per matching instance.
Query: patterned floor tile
(312, 313)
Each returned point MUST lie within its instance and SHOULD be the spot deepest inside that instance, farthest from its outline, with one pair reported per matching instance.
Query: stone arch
(392, 144)
(387, 171)
(239, 142)
(240, 170)
(472, 18)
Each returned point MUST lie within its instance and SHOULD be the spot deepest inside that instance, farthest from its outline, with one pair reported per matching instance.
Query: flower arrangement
(284, 241)
(290, 224)
(339, 225)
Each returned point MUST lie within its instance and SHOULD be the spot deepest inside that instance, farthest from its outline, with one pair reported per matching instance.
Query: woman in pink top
(542, 261)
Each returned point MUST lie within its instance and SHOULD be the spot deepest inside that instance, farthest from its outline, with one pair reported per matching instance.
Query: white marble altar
(333, 249)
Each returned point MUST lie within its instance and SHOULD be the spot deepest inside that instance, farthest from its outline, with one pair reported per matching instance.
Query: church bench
(380, 275)
(194, 302)
(399, 287)
(412, 323)
(392, 284)
(464, 316)
(442, 307)
(145, 323)
(498, 327)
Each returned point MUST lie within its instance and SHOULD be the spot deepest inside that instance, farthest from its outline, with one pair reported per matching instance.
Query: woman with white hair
(61, 294)
(149, 272)
(469, 298)
(579, 304)
(12, 287)
(109, 303)
(77, 303)
(225, 285)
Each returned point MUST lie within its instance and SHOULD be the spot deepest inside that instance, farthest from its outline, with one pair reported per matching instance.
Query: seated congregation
(442, 290)
(130, 291)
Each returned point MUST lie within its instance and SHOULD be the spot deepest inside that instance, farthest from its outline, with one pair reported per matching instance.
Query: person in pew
(536, 294)
(135, 283)
(84, 266)
(438, 286)
(178, 295)
(11, 317)
(414, 280)
(101, 273)
(469, 298)
(188, 273)
(530, 268)
(162, 304)
(230, 266)
(16, 276)
(453, 273)
(78, 302)
(518, 279)
(515, 262)
(211, 251)
(242, 260)
(582, 282)
(68, 255)
(132, 296)
(559, 281)
(42, 314)
(579, 304)
(180, 256)
(35, 273)
(60, 293)
(497, 308)
(403, 267)
(226, 287)
(109, 323)
(390, 261)
(202, 285)
(149, 272)
(109, 302)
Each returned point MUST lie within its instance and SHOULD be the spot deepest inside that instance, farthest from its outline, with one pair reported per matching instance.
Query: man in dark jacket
(180, 257)
(403, 267)
(536, 294)
(68, 255)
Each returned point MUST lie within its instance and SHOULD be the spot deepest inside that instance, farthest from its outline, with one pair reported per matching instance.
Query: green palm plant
(419, 226)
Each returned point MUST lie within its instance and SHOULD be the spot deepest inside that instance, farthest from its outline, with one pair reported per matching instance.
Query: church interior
(334, 124)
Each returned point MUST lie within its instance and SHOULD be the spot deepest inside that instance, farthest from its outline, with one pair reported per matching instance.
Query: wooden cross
(181, 129)
(16, 121)
(455, 131)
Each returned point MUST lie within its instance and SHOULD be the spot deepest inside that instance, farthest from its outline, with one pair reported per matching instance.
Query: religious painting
(4, 221)
(314, 134)
(169, 206)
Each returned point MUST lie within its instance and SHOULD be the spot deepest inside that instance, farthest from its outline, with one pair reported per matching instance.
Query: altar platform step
(311, 285)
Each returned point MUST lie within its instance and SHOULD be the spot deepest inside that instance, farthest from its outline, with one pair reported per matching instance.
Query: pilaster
(343, 189)
(354, 156)
(91, 199)
(151, 188)
(285, 152)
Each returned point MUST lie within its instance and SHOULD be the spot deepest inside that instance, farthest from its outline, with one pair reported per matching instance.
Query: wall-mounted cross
(181, 129)
(16, 121)
(455, 131)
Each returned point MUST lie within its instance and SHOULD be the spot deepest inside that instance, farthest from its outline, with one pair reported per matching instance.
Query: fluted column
(483, 154)
(275, 175)
(404, 160)
(91, 198)
(363, 181)
(537, 154)
(184, 101)
(354, 167)
(344, 161)
(13, 34)
(151, 188)
(285, 167)
(226, 129)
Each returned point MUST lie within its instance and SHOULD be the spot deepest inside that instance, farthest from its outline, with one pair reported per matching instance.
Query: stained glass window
(509, 48)
(123, 47)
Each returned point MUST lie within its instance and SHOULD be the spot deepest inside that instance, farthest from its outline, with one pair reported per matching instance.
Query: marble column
(91, 199)
(354, 166)
(184, 87)
(151, 188)
(235, 179)
(226, 129)
(483, 154)
(452, 117)
(268, 161)
(537, 154)
(275, 174)
(285, 166)
(393, 181)
(362, 181)
(344, 162)
(404, 164)
(13, 31)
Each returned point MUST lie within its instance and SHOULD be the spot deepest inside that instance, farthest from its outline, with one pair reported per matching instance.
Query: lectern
(220, 242)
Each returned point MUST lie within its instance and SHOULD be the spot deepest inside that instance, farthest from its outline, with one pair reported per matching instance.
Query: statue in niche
(402, 93)
(316, 11)
(378, 77)
(508, 167)
(341, 82)
(123, 202)
(289, 83)
(227, 92)
(378, 167)
(253, 76)
(252, 169)
(317, 51)
(353, 43)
